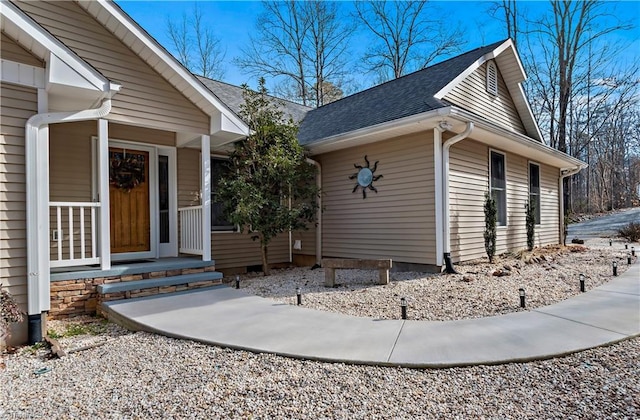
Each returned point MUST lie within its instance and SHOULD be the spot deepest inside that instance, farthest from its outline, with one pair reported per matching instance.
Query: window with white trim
(534, 189)
(498, 185)
(492, 78)
(219, 168)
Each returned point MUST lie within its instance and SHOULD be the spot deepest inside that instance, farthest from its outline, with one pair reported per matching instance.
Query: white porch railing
(75, 246)
(191, 230)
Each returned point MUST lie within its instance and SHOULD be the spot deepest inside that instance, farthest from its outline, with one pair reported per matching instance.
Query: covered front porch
(121, 193)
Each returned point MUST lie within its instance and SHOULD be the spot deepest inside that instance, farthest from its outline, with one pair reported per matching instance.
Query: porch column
(104, 229)
(205, 180)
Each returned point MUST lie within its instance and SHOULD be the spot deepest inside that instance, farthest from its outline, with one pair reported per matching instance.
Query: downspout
(318, 213)
(37, 187)
(445, 195)
(563, 175)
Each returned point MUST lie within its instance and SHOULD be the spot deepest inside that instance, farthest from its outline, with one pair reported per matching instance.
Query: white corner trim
(22, 74)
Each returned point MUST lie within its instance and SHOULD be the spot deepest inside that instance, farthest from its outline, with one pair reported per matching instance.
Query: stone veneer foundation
(77, 297)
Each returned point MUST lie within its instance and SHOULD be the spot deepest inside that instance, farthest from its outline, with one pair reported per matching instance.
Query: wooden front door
(129, 200)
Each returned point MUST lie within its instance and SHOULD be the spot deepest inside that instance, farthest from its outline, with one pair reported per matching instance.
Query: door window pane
(163, 198)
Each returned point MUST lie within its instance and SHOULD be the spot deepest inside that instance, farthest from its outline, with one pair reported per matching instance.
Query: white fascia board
(529, 114)
(22, 74)
(473, 67)
(364, 135)
(12, 15)
(545, 154)
(162, 54)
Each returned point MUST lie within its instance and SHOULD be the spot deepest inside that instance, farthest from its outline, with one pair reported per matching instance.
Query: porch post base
(35, 329)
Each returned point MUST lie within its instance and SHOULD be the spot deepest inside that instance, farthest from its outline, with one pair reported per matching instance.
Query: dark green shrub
(490, 220)
(630, 232)
(531, 223)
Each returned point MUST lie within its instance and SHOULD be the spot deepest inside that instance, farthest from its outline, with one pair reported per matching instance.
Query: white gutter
(446, 217)
(318, 212)
(563, 175)
(37, 197)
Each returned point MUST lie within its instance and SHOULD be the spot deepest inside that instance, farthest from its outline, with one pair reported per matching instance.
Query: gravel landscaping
(112, 373)
(548, 275)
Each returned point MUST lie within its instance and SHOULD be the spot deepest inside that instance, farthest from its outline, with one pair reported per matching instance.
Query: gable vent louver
(492, 78)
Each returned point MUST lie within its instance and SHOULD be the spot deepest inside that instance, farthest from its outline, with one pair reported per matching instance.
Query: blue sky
(233, 21)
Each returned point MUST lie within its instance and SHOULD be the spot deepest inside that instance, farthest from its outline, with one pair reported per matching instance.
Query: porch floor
(146, 265)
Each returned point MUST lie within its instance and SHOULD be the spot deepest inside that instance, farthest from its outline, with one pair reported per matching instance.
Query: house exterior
(110, 152)
(440, 138)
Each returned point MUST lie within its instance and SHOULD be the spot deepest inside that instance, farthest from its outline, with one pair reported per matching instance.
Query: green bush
(490, 221)
(9, 312)
(630, 232)
(531, 223)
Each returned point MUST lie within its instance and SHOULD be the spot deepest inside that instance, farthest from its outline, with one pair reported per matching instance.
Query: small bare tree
(408, 36)
(301, 44)
(196, 45)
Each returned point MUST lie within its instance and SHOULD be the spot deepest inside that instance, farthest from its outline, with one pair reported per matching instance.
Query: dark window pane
(534, 189)
(219, 168)
(163, 197)
(498, 186)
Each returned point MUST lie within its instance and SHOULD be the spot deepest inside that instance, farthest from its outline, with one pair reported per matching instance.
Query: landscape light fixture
(629, 259)
(610, 242)
(626, 246)
(299, 296)
(403, 308)
(521, 291)
(237, 281)
(633, 251)
(615, 268)
(581, 282)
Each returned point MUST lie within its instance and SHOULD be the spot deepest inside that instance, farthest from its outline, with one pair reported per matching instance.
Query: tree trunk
(265, 260)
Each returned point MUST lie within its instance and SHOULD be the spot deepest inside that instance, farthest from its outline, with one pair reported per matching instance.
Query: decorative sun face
(365, 177)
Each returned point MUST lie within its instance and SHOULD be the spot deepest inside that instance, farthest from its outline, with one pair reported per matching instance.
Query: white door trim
(170, 249)
(153, 196)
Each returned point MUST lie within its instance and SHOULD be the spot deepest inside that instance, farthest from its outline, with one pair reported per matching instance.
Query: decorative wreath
(126, 170)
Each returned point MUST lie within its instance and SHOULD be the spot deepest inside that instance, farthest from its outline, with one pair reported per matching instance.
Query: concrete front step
(181, 280)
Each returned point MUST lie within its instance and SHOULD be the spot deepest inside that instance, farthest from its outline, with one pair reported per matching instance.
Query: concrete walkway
(231, 318)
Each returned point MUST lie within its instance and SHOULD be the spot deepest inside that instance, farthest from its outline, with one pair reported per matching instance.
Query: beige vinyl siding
(472, 94)
(548, 232)
(398, 221)
(228, 249)
(145, 98)
(17, 104)
(469, 180)
(14, 52)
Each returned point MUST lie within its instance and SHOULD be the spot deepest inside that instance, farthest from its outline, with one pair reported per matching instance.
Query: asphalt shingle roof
(408, 95)
(232, 96)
